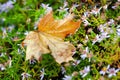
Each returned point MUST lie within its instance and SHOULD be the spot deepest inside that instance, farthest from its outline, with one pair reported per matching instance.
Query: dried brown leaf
(49, 38)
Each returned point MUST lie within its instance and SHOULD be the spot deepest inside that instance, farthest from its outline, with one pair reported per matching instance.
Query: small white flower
(4, 32)
(83, 18)
(86, 50)
(100, 37)
(79, 45)
(104, 28)
(86, 39)
(32, 61)
(112, 72)
(28, 20)
(118, 26)
(6, 6)
(46, 7)
(42, 74)
(97, 39)
(114, 7)
(96, 11)
(84, 54)
(26, 33)
(25, 75)
(105, 7)
(73, 7)
(63, 70)
(110, 22)
(2, 67)
(104, 70)
(87, 14)
(85, 71)
(65, 3)
(104, 35)
(64, 8)
(2, 54)
(86, 23)
(76, 62)
(101, 28)
(11, 27)
(67, 77)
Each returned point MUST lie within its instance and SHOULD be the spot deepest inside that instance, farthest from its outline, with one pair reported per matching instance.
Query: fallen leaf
(50, 38)
(36, 45)
(60, 50)
(58, 28)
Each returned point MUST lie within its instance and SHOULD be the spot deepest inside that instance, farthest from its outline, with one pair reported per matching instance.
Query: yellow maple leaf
(59, 28)
(49, 38)
(36, 45)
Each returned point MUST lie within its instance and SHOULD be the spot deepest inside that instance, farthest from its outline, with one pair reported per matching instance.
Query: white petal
(102, 72)
(84, 75)
(110, 75)
(117, 70)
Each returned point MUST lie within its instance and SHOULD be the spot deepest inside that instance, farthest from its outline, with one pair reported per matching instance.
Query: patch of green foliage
(24, 16)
